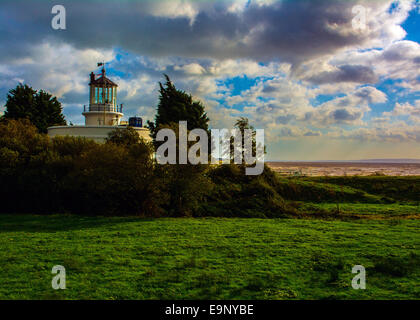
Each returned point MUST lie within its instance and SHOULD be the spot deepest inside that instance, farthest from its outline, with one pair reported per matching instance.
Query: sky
(326, 80)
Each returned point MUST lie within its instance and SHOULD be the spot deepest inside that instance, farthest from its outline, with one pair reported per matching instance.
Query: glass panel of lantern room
(100, 95)
(115, 96)
(96, 94)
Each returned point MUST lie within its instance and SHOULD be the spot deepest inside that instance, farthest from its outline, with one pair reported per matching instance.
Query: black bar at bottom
(217, 309)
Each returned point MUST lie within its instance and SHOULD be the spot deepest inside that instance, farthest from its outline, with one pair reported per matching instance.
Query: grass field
(214, 258)
(366, 210)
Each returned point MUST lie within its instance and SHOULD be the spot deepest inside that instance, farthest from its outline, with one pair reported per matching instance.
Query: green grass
(405, 188)
(214, 258)
(367, 210)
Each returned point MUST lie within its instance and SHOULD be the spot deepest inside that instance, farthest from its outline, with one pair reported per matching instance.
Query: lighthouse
(103, 109)
(102, 114)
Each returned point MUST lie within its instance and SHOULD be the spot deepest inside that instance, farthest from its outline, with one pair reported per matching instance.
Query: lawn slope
(213, 258)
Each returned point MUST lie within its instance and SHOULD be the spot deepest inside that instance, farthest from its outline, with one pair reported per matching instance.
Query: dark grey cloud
(285, 119)
(370, 95)
(343, 115)
(269, 89)
(396, 53)
(344, 102)
(287, 30)
(312, 134)
(346, 73)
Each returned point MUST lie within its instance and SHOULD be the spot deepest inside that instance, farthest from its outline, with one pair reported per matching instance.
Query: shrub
(70, 174)
(238, 195)
(113, 179)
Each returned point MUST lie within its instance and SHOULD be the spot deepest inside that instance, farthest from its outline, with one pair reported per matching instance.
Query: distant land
(364, 167)
(352, 161)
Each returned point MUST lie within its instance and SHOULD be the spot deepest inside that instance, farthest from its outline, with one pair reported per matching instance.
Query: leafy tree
(40, 107)
(71, 147)
(127, 136)
(22, 149)
(242, 124)
(113, 179)
(176, 105)
(22, 138)
(185, 185)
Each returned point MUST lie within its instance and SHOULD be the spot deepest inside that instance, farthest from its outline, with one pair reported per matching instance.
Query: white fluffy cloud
(405, 109)
(60, 68)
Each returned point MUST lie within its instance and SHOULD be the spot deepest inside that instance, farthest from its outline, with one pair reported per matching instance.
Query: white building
(102, 115)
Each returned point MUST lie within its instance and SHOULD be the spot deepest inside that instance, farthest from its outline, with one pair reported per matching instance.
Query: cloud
(172, 9)
(348, 110)
(298, 69)
(191, 69)
(312, 134)
(405, 109)
(395, 133)
(61, 69)
(397, 60)
(343, 115)
(292, 31)
(346, 73)
(370, 95)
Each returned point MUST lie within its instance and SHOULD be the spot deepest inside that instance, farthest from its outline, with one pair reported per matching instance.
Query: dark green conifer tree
(39, 107)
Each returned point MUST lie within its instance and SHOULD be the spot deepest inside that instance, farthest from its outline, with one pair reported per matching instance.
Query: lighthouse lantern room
(103, 109)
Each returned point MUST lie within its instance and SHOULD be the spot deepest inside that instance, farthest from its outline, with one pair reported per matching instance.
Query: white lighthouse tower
(103, 114)
(103, 109)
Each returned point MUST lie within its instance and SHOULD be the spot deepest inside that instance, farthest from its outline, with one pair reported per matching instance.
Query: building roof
(102, 81)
